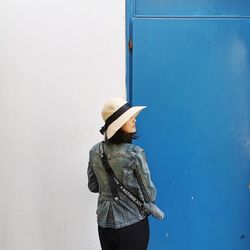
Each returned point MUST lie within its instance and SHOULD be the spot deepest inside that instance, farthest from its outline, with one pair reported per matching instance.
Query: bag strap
(114, 182)
(110, 173)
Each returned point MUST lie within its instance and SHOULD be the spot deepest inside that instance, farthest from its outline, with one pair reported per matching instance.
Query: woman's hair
(122, 137)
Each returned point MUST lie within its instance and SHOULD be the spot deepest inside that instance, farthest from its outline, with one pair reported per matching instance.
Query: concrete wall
(59, 62)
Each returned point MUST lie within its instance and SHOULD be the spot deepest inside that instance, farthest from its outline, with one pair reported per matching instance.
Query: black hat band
(114, 116)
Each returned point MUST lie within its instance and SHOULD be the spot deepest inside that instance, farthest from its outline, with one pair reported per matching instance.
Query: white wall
(59, 62)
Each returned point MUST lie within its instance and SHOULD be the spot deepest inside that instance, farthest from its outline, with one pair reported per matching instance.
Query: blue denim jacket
(129, 164)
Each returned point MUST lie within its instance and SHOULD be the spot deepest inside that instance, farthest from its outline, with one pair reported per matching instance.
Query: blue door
(189, 62)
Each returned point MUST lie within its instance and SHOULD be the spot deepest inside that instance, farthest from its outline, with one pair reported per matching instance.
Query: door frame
(130, 12)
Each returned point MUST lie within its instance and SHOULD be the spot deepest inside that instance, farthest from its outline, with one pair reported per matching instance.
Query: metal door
(189, 62)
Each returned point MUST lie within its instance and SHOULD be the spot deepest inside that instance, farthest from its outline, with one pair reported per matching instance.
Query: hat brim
(121, 120)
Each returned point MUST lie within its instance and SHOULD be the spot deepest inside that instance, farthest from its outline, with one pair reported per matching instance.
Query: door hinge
(130, 44)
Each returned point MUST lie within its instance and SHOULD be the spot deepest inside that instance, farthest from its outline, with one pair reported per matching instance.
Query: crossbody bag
(114, 183)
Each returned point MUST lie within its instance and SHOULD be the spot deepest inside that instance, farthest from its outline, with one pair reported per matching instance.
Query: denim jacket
(129, 164)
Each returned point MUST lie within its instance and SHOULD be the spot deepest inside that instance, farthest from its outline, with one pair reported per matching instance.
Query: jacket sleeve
(92, 180)
(144, 178)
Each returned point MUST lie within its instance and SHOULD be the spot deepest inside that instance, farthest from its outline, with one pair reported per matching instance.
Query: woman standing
(121, 224)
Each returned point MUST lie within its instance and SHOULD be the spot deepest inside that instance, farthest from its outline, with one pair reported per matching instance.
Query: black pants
(133, 237)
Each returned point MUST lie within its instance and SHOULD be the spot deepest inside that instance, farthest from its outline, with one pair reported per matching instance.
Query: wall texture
(59, 62)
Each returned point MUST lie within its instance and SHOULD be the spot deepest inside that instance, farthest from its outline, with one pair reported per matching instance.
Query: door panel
(194, 7)
(194, 76)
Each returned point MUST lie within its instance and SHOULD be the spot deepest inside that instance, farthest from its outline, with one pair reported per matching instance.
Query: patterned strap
(113, 180)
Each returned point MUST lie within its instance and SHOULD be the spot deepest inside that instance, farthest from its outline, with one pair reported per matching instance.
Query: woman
(121, 224)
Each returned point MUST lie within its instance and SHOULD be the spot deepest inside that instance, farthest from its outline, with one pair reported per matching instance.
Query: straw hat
(115, 113)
